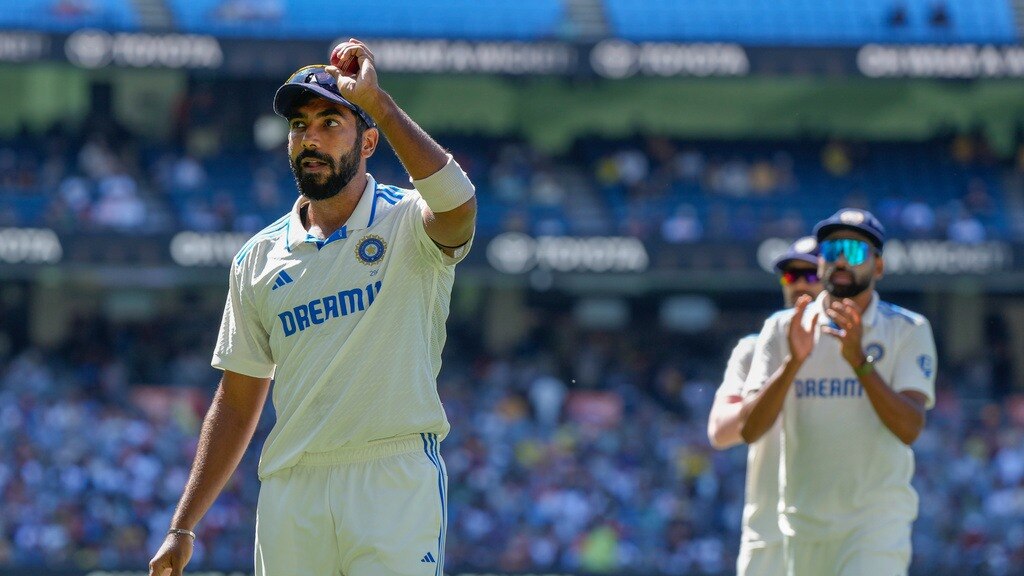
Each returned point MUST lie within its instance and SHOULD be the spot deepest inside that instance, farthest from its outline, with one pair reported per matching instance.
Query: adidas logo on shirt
(282, 279)
(428, 558)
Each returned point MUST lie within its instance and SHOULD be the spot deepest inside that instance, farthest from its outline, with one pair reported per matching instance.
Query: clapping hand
(849, 331)
(801, 340)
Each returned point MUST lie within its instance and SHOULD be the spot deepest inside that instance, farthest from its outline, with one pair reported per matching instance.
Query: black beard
(854, 288)
(312, 188)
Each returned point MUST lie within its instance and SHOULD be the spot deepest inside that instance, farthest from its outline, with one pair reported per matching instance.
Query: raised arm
(226, 432)
(762, 409)
(901, 407)
(439, 179)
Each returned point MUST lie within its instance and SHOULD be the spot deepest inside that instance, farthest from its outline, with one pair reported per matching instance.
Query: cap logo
(851, 217)
(805, 245)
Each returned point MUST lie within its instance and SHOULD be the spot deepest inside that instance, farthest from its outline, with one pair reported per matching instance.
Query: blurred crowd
(587, 458)
(102, 178)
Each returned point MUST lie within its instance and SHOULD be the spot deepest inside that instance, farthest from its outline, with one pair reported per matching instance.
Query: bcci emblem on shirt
(875, 351)
(370, 249)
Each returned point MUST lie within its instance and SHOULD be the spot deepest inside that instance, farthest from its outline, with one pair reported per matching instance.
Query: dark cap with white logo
(852, 219)
(803, 250)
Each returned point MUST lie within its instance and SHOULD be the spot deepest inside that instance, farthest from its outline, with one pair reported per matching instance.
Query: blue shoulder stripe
(267, 233)
(890, 310)
(387, 199)
(391, 192)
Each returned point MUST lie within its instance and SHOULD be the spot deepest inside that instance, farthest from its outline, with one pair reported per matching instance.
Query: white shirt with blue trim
(841, 467)
(351, 328)
(761, 492)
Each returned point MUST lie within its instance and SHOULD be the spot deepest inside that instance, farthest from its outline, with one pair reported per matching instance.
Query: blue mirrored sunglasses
(855, 251)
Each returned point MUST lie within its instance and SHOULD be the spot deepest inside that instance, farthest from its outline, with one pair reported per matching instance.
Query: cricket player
(761, 540)
(342, 302)
(851, 376)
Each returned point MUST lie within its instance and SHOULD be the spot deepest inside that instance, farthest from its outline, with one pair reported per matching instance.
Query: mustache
(315, 156)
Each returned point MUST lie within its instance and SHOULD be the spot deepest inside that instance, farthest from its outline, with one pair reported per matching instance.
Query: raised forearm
(761, 410)
(902, 415)
(417, 151)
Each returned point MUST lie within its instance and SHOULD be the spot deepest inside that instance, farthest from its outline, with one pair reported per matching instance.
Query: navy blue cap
(803, 250)
(852, 219)
(317, 80)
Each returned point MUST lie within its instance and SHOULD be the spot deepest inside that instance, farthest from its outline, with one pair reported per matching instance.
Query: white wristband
(446, 189)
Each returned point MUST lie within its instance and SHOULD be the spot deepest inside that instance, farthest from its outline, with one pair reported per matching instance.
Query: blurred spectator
(187, 174)
(74, 191)
(249, 10)
(119, 205)
(510, 173)
(918, 219)
(835, 158)
(731, 178)
(938, 16)
(690, 163)
(546, 189)
(978, 200)
(72, 8)
(897, 16)
(965, 229)
(547, 395)
(963, 149)
(632, 166)
(763, 178)
(683, 226)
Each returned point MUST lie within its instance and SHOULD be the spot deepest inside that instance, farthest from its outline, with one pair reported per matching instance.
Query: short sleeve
(738, 368)
(429, 249)
(243, 344)
(916, 363)
(769, 351)
(448, 181)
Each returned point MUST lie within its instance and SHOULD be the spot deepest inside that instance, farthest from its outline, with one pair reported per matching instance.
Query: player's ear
(371, 136)
(879, 266)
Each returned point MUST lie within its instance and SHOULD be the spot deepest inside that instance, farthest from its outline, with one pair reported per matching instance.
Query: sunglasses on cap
(316, 73)
(316, 79)
(790, 277)
(855, 251)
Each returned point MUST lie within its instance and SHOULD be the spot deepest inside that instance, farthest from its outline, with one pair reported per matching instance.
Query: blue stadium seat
(837, 22)
(463, 19)
(68, 15)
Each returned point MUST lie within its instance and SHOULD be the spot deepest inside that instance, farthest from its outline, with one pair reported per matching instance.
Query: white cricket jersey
(841, 467)
(351, 328)
(761, 505)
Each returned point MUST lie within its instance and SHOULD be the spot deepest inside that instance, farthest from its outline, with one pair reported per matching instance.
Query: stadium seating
(757, 22)
(101, 430)
(789, 22)
(612, 184)
(468, 19)
(69, 15)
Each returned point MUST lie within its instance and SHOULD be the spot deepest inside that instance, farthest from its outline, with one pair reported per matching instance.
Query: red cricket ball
(348, 68)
